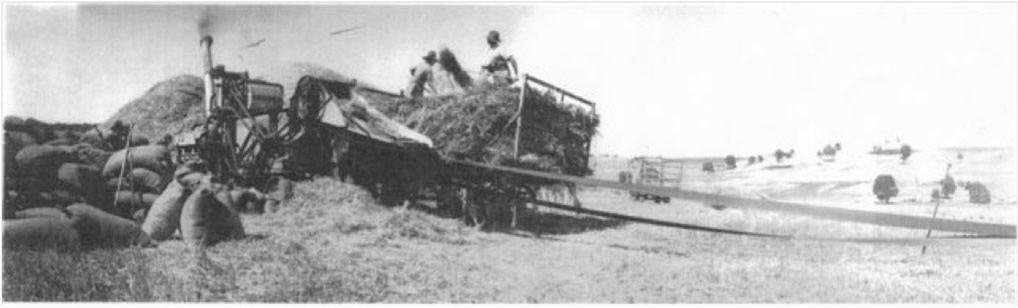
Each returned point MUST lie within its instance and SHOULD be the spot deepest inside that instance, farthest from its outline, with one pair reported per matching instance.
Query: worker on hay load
(420, 76)
(501, 68)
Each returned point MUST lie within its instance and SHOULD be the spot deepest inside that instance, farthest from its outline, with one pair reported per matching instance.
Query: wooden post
(932, 221)
(929, 231)
(123, 165)
(519, 120)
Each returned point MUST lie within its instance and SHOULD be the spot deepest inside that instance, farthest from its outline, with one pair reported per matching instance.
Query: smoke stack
(206, 48)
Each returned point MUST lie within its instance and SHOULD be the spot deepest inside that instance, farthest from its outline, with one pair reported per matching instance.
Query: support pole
(929, 231)
(123, 165)
(519, 120)
(932, 221)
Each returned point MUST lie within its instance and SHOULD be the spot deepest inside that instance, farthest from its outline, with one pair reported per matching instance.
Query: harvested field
(331, 243)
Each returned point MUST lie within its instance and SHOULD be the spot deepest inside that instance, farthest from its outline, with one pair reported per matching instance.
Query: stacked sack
(55, 196)
(78, 227)
(137, 175)
(46, 165)
(205, 212)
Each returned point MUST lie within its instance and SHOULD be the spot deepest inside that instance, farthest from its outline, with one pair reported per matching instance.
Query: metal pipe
(206, 50)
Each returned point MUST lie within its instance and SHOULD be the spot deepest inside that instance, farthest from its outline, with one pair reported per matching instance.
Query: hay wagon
(655, 171)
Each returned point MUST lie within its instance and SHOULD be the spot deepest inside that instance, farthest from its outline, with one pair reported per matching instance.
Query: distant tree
(779, 155)
(830, 151)
(906, 152)
(730, 161)
(752, 160)
(978, 193)
(837, 146)
(947, 187)
(884, 188)
(759, 158)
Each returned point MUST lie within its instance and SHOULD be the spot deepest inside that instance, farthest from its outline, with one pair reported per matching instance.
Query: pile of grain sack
(62, 193)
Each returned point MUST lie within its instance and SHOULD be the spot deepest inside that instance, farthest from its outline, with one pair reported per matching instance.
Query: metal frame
(527, 78)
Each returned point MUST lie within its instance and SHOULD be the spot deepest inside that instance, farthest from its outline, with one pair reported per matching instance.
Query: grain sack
(152, 157)
(164, 215)
(86, 179)
(206, 221)
(142, 179)
(92, 138)
(978, 193)
(137, 140)
(42, 212)
(240, 198)
(248, 201)
(139, 216)
(13, 143)
(13, 123)
(99, 229)
(91, 155)
(59, 197)
(114, 183)
(61, 142)
(190, 174)
(40, 233)
(44, 160)
(18, 140)
(135, 200)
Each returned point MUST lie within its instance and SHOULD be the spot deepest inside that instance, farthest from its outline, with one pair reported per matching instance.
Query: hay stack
(172, 106)
(479, 126)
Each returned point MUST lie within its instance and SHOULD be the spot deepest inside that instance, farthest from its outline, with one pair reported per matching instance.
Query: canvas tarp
(335, 103)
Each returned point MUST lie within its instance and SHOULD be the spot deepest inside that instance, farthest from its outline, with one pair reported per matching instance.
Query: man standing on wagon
(420, 76)
(500, 68)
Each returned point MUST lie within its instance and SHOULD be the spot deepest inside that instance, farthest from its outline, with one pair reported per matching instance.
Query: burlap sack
(42, 212)
(99, 229)
(152, 157)
(91, 155)
(163, 217)
(146, 180)
(44, 160)
(206, 221)
(40, 233)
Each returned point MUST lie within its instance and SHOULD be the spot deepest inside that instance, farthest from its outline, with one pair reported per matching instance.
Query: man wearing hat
(420, 76)
(500, 67)
(118, 135)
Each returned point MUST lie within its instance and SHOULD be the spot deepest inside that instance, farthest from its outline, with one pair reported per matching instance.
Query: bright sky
(672, 80)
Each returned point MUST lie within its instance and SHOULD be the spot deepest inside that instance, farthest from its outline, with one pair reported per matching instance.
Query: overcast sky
(673, 80)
